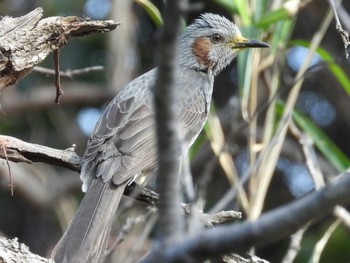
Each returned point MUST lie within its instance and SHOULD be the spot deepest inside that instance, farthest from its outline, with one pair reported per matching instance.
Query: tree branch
(79, 94)
(168, 135)
(270, 227)
(70, 73)
(13, 251)
(345, 36)
(16, 150)
(26, 41)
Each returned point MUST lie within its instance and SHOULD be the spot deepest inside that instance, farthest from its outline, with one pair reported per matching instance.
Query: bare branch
(345, 36)
(169, 145)
(59, 91)
(11, 249)
(234, 258)
(222, 217)
(8, 168)
(294, 246)
(68, 73)
(270, 227)
(342, 214)
(321, 244)
(26, 41)
(16, 150)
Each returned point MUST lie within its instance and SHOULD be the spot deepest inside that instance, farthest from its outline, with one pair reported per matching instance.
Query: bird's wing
(123, 141)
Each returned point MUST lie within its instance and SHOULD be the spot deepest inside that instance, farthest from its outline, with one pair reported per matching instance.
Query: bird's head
(211, 42)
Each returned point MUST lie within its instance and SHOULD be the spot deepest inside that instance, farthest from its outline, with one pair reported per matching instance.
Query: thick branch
(13, 251)
(16, 150)
(169, 143)
(27, 40)
(270, 227)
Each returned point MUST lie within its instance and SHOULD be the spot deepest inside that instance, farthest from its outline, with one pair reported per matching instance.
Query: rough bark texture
(11, 251)
(27, 40)
(170, 227)
(15, 150)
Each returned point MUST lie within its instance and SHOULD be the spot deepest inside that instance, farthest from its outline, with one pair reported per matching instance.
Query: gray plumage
(123, 143)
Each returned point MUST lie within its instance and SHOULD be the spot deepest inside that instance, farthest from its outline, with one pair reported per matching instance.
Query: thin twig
(342, 214)
(68, 73)
(294, 246)
(130, 223)
(312, 164)
(9, 169)
(344, 16)
(321, 244)
(219, 146)
(310, 155)
(345, 36)
(59, 90)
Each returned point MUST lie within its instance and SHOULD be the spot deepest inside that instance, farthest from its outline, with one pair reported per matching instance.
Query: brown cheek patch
(200, 48)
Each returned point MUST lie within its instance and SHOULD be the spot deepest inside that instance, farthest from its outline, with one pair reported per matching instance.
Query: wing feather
(121, 129)
(123, 143)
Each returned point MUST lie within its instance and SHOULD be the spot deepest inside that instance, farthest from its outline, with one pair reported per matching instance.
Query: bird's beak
(249, 43)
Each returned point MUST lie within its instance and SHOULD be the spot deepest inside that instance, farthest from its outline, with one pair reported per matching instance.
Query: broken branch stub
(27, 40)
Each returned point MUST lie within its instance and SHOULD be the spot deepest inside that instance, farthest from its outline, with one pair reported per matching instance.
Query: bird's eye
(216, 38)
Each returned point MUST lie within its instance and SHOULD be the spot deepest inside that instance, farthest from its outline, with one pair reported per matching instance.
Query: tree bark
(27, 40)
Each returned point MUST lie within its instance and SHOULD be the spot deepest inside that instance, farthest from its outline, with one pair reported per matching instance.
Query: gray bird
(123, 144)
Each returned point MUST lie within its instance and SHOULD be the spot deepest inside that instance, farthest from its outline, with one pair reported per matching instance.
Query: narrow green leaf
(259, 8)
(152, 11)
(243, 12)
(334, 68)
(272, 17)
(323, 143)
(196, 146)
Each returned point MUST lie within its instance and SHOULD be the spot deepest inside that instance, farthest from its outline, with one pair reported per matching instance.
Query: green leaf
(334, 68)
(272, 17)
(243, 12)
(323, 143)
(152, 11)
(197, 145)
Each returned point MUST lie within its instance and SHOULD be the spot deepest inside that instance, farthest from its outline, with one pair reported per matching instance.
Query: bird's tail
(86, 238)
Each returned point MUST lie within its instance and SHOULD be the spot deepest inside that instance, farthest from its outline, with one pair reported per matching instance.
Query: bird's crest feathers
(217, 22)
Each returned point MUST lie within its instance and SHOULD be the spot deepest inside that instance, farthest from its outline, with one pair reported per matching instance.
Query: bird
(123, 144)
